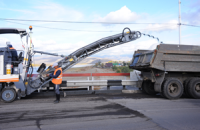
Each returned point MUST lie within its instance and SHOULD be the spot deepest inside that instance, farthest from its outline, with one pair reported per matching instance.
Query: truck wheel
(143, 87)
(172, 88)
(162, 86)
(185, 84)
(8, 95)
(194, 88)
(148, 87)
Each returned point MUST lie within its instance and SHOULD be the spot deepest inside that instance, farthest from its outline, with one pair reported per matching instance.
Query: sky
(161, 17)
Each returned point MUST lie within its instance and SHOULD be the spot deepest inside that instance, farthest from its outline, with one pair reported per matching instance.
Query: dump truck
(171, 70)
(14, 83)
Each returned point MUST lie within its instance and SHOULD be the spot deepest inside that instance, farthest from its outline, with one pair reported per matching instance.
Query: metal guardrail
(90, 74)
(77, 83)
(90, 83)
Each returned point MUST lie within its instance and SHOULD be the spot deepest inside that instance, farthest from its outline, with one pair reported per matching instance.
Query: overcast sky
(65, 41)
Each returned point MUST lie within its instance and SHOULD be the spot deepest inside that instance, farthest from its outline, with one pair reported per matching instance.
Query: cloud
(66, 42)
(19, 10)
(192, 17)
(195, 4)
(52, 46)
(55, 11)
(122, 15)
(171, 25)
(125, 52)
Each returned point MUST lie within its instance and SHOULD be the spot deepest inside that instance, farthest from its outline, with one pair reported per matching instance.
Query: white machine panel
(1, 65)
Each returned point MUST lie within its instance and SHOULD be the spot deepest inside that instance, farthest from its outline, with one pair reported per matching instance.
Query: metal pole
(179, 22)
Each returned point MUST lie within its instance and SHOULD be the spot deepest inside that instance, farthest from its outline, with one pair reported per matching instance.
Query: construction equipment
(20, 84)
(169, 70)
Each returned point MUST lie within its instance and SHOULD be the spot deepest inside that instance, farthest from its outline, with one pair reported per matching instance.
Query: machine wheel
(8, 95)
(172, 88)
(194, 88)
(148, 87)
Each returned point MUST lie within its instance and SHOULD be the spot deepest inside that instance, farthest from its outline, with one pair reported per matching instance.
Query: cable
(79, 21)
(84, 30)
(91, 22)
(62, 28)
(163, 27)
(190, 25)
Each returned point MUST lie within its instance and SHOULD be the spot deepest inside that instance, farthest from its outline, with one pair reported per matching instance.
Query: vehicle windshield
(14, 39)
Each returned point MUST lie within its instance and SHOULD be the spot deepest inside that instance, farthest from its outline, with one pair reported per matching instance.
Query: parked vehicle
(170, 70)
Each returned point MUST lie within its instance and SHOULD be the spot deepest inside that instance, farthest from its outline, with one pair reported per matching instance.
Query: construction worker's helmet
(8, 44)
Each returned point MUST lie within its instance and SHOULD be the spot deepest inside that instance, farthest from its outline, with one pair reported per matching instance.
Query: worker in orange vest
(57, 80)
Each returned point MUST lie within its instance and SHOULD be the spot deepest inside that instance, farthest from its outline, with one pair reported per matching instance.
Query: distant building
(108, 65)
(115, 64)
(118, 65)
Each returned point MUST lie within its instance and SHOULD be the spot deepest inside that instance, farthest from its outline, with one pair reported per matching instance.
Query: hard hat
(55, 64)
(8, 44)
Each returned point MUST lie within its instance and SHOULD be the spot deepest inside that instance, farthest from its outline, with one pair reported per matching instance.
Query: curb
(86, 92)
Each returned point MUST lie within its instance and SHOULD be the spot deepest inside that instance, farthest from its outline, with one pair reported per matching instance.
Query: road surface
(100, 112)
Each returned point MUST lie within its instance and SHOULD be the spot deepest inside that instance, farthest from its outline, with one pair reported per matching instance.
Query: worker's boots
(57, 98)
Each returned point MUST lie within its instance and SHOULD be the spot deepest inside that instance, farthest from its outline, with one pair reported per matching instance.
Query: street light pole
(179, 22)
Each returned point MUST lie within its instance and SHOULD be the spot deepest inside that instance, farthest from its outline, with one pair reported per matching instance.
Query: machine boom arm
(86, 51)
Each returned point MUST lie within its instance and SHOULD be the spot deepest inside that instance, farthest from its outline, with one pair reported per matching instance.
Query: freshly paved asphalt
(100, 112)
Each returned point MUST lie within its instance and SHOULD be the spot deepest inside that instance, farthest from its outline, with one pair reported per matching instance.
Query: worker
(14, 56)
(57, 80)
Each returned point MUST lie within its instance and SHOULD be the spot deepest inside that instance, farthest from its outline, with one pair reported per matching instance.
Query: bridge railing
(90, 82)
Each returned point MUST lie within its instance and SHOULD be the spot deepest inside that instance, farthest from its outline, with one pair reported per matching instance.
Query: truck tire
(148, 87)
(8, 95)
(162, 86)
(194, 88)
(143, 87)
(172, 88)
(185, 84)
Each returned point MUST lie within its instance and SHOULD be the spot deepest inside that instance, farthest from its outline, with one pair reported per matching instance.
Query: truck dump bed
(168, 57)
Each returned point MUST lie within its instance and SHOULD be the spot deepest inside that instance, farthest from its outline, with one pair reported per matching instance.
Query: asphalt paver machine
(15, 84)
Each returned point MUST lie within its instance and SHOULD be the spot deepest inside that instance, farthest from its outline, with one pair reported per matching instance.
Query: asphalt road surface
(100, 112)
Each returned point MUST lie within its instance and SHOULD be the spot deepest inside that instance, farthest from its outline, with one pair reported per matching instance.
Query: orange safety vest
(57, 80)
